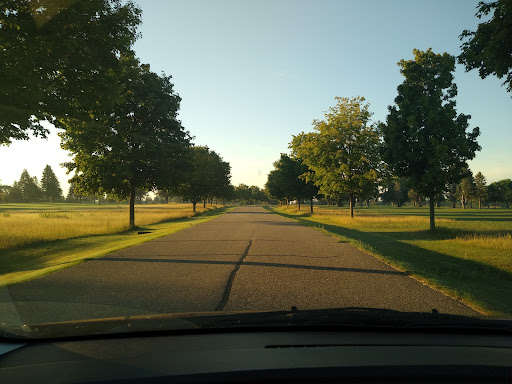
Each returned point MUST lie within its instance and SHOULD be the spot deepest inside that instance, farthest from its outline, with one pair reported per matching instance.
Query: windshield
(194, 158)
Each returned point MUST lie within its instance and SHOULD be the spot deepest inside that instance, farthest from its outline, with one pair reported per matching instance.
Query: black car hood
(334, 318)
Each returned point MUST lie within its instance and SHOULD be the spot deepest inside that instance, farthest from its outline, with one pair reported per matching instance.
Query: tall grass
(32, 224)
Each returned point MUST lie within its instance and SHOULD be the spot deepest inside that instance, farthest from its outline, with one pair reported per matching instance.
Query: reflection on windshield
(128, 193)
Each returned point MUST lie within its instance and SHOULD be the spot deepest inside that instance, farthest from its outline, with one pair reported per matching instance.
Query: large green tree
(274, 187)
(28, 187)
(288, 180)
(501, 191)
(57, 58)
(425, 139)
(394, 190)
(138, 144)
(208, 176)
(489, 48)
(50, 186)
(343, 150)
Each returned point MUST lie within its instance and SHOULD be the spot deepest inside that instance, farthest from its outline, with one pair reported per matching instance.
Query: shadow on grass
(474, 282)
(441, 234)
(458, 214)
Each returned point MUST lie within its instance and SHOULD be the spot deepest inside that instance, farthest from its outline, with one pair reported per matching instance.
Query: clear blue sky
(253, 73)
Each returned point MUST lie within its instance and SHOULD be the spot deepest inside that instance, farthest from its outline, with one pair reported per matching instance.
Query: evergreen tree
(480, 188)
(50, 186)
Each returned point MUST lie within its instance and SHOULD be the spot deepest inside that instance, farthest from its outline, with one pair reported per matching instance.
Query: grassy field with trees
(402, 189)
(75, 68)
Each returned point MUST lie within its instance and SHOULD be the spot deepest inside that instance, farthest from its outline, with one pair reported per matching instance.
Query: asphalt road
(248, 259)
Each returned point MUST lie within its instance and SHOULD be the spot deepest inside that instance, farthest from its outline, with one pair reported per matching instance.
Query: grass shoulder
(35, 259)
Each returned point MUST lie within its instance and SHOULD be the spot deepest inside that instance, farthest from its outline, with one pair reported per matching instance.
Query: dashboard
(256, 356)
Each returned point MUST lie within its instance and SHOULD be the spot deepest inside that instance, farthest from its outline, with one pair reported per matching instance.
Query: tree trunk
(132, 206)
(453, 203)
(204, 203)
(299, 203)
(479, 203)
(432, 220)
(311, 205)
(351, 203)
(166, 199)
(194, 206)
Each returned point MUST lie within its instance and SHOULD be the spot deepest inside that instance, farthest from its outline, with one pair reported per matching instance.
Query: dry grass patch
(66, 245)
(499, 242)
(21, 227)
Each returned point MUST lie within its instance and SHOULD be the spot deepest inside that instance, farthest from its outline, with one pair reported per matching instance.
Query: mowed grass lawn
(469, 256)
(36, 239)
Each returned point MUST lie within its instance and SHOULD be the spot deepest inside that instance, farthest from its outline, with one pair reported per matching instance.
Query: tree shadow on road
(253, 264)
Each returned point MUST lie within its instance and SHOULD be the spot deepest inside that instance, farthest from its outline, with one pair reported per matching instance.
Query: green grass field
(37, 239)
(469, 256)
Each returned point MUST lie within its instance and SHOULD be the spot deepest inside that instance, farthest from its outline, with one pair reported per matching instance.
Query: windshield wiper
(360, 317)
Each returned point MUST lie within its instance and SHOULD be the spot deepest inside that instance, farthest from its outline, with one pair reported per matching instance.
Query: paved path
(248, 259)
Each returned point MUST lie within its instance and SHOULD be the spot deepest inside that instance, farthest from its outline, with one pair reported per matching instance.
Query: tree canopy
(57, 58)
(424, 138)
(343, 151)
(26, 189)
(500, 191)
(138, 144)
(489, 48)
(288, 180)
(208, 177)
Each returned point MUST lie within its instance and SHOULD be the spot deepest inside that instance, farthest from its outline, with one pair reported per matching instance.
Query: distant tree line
(30, 189)
(72, 64)
(225, 194)
(419, 153)
(471, 191)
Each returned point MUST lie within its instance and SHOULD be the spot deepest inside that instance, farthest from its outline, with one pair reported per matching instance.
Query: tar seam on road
(227, 290)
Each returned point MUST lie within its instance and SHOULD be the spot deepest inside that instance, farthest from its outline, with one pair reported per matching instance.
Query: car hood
(333, 318)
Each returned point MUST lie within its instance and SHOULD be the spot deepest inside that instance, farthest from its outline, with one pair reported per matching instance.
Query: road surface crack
(229, 285)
